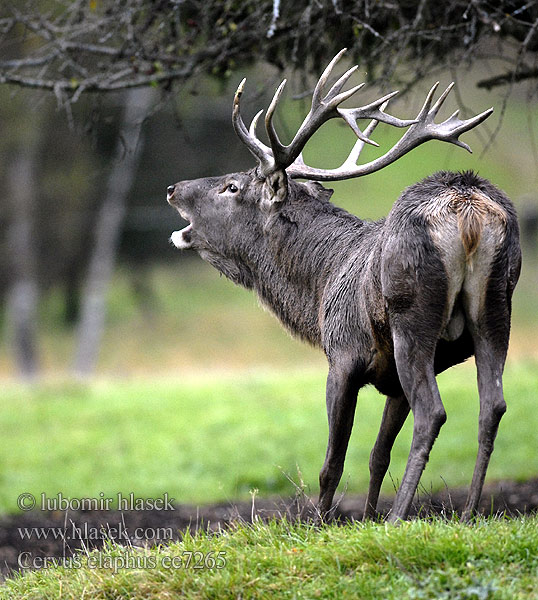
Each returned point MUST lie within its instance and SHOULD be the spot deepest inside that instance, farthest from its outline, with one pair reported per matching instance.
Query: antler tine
(279, 150)
(316, 96)
(435, 109)
(252, 133)
(344, 95)
(422, 129)
(259, 150)
(427, 103)
(375, 110)
(452, 128)
(353, 157)
(254, 123)
(447, 131)
(384, 100)
(353, 124)
(335, 89)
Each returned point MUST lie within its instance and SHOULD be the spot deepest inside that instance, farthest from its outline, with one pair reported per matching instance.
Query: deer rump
(434, 268)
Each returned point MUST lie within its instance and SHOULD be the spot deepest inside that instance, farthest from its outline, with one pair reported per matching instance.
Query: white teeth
(182, 238)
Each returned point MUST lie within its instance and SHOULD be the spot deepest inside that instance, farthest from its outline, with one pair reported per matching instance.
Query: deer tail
(474, 209)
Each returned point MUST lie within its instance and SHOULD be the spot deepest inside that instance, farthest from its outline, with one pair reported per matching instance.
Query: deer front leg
(394, 416)
(417, 377)
(342, 389)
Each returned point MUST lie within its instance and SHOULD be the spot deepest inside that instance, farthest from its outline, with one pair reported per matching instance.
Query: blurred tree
(21, 236)
(103, 45)
(107, 230)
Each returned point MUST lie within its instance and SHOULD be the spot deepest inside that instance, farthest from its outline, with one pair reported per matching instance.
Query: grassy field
(492, 559)
(217, 437)
(201, 395)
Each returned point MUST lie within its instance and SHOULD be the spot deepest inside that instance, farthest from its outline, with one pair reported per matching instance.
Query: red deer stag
(392, 302)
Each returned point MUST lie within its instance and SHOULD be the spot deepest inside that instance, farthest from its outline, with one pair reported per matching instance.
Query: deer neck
(299, 255)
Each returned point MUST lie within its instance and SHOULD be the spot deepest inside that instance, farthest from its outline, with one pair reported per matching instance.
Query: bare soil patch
(35, 538)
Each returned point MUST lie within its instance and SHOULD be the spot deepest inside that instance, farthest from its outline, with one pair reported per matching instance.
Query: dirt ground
(21, 548)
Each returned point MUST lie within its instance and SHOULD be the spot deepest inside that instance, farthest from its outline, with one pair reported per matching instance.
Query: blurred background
(89, 283)
(159, 310)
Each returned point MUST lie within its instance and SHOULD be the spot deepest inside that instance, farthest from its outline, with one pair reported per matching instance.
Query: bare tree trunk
(23, 292)
(107, 231)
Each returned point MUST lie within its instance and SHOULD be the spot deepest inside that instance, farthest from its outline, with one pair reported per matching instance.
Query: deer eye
(232, 188)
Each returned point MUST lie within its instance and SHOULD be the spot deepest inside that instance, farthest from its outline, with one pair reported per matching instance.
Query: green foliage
(217, 436)
(491, 559)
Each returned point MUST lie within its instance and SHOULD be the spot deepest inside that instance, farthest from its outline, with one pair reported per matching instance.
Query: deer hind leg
(490, 332)
(394, 416)
(414, 361)
(343, 383)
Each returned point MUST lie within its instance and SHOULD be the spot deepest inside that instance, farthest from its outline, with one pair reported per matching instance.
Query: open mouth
(182, 239)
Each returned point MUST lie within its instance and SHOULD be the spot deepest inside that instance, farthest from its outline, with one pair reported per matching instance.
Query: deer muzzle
(182, 239)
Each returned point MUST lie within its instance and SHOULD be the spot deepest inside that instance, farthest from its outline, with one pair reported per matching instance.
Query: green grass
(217, 436)
(491, 559)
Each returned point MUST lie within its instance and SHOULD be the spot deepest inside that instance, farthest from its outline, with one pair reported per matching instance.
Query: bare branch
(83, 46)
(507, 78)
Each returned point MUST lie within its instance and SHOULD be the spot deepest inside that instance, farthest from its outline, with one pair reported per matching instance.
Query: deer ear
(275, 188)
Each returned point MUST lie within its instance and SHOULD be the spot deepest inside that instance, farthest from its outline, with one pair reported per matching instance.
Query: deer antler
(325, 107)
